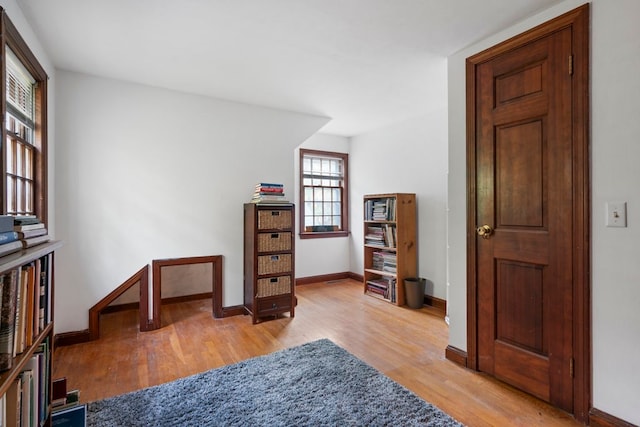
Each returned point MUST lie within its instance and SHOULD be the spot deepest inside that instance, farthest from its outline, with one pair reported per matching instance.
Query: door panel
(519, 152)
(524, 268)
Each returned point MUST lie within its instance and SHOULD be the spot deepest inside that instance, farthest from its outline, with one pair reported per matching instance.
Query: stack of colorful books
(30, 230)
(266, 192)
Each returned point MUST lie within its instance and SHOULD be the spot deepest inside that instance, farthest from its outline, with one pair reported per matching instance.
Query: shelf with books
(26, 332)
(389, 244)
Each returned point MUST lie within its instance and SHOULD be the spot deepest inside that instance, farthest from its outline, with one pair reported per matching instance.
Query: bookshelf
(389, 244)
(269, 279)
(26, 333)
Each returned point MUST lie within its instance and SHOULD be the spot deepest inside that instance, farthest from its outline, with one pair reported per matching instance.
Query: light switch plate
(616, 214)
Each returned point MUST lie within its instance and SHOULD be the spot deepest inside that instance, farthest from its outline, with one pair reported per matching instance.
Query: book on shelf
(269, 188)
(7, 318)
(269, 185)
(383, 287)
(26, 234)
(25, 220)
(33, 241)
(26, 397)
(8, 237)
(11, 247)
(384, 261)
(269, 193)
(20, 338)
(6, 223)
(380, 209)
(33, 365)
(27, 227)
(381, 235)
(13, 402)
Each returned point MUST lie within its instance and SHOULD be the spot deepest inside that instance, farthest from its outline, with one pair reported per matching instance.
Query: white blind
(20, 88)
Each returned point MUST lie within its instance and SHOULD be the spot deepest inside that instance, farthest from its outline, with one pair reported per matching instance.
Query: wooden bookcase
(389, 244)
(269, 256)
(32, 319)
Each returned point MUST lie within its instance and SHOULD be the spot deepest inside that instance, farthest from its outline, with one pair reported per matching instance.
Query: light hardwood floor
(405, 344)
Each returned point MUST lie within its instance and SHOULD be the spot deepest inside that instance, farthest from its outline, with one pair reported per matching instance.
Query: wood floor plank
(405, 344)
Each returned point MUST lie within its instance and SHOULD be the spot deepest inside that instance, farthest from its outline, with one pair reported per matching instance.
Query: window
(323, 194)
(24, 154)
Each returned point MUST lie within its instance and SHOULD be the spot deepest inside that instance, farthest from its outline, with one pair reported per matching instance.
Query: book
(25, 219)
(59, 392)
(21, 312)
(8, 237)
(26, 397)
(73, 416)
(269, 184)
(9, 248)
(7, 318)
(33, 241)
(31, 233)
(33, 365)
(26, 227)
(6, 223)
(72, 398)
(269, 193)
(43, 279)
(14, 402)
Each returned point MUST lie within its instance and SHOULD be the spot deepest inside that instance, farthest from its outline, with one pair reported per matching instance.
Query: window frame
(11, 38)
(344, 208)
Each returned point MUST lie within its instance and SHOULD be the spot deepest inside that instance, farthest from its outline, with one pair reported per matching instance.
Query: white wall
(615, 150)
(316, 257)
(144, 173)
(408, 157)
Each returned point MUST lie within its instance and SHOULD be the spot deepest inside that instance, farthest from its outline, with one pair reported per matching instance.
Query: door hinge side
(571, 65)
(571, 368)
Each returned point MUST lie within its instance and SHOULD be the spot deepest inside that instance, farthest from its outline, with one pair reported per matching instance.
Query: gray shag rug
(315, 384)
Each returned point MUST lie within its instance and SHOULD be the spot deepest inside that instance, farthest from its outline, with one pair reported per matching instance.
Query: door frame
(578, 21)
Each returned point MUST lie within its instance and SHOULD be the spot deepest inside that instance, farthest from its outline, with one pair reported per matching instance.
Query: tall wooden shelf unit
(269, 279)
(36, 356)
(389, 244)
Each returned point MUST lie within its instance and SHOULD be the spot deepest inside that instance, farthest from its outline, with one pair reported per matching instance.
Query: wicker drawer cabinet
(268, 260)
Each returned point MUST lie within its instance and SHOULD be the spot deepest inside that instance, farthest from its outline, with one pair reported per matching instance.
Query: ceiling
(363, 63)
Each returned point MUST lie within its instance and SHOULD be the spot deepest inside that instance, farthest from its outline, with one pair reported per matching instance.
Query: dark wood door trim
(578, 21)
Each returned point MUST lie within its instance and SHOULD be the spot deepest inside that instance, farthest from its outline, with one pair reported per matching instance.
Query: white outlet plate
(616, 214)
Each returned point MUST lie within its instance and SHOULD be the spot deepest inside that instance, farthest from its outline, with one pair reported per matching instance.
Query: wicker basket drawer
(269, 264)
(274, 286)
(271, 242)
(274, 219)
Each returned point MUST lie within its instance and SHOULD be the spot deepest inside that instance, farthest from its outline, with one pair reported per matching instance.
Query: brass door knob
(485, 231)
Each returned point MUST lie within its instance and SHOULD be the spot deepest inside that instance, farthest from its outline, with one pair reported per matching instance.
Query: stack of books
(9, 240)
(30, 230)
(66, 407)
(266, 192)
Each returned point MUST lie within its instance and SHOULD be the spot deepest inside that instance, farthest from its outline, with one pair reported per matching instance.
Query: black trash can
(414, 291)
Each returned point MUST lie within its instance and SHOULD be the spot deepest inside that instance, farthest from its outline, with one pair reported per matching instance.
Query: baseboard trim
(456, 355)
(71, 338)
(437, 303)
(322, 278)
(598, 418)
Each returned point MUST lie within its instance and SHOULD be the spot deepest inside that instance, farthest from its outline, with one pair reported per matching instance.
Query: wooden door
(524, 217)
